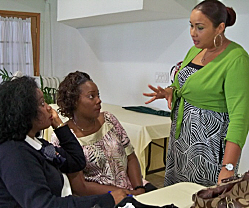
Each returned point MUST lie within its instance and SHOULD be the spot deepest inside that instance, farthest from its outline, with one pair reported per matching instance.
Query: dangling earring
(221, 40)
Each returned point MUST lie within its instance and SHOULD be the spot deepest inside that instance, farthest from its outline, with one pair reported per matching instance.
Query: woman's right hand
(56, 119)
(160, 93)
(119, 195)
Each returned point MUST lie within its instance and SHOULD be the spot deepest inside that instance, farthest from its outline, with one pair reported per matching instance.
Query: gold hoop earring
(221, 41)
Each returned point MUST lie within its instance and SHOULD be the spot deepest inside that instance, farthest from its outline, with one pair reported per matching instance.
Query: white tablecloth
(179, 194)
(140, 127)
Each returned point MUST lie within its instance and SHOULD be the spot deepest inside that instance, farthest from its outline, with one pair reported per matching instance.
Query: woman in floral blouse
(111, 162)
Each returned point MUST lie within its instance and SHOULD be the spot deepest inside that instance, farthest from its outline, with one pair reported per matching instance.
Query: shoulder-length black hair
(18, 108)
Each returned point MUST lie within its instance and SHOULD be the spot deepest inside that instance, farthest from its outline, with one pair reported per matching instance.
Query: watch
(228, 166)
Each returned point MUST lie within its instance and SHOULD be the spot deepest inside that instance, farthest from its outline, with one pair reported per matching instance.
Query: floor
(156, 179)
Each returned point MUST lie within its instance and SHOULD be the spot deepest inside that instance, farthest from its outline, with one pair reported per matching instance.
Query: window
(35, 33)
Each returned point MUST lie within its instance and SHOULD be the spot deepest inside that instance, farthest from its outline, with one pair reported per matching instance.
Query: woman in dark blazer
(30, 167)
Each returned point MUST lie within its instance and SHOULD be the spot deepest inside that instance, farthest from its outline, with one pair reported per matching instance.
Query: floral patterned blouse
(106, 153)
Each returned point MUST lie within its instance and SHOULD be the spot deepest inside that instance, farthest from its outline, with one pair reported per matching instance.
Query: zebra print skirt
(196, 156)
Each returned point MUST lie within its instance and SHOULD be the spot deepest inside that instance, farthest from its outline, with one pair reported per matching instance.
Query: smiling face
(202, 30)
(89, 103)
(44, 119)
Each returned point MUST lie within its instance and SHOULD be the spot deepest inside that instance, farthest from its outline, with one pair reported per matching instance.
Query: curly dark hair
(18, 108)
(69, 92)
(217, 12)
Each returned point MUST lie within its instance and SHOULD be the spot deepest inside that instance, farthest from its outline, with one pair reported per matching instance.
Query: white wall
(129, 55)
(23, 5)
(122, 59)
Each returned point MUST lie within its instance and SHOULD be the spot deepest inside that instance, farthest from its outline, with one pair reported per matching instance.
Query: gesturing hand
(160, 93)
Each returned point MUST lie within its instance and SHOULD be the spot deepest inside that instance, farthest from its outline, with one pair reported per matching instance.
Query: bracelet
(138, 187)
(171, 87)
(60, 125)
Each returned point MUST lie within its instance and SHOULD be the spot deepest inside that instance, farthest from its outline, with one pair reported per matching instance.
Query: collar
(35, 143)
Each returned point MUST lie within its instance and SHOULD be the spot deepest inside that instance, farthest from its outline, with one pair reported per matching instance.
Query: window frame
(35, 33)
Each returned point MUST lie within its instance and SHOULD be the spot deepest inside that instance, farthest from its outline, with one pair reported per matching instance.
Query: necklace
(82, 128)
(204, 56)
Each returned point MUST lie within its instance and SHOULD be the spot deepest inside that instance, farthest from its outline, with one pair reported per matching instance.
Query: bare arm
(134, 173)
(81, 187)
(231, 155)
(160, 93)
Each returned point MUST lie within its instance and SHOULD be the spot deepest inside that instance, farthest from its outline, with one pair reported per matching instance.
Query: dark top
(29, 180)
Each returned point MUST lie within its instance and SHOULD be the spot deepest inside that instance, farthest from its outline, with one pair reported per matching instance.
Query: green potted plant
(5, 75)
(48, 92)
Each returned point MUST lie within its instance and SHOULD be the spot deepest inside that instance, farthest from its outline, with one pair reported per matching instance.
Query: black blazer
(29, 180)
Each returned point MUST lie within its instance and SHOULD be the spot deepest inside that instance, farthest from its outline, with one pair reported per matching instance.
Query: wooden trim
(35, 30)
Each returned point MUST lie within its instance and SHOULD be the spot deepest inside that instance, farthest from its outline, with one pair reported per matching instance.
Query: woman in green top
(208, 99)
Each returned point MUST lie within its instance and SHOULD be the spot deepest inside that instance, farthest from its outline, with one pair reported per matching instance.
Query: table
(179, 194)
(141, 128)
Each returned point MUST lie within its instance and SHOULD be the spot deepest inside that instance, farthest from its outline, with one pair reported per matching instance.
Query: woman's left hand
(224, 173)
(231, 155)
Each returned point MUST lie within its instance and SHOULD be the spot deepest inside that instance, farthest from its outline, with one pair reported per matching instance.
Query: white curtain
(16, 52)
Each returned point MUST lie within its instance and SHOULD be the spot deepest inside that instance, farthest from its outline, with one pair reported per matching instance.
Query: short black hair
(18, 108)
(69, 92)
